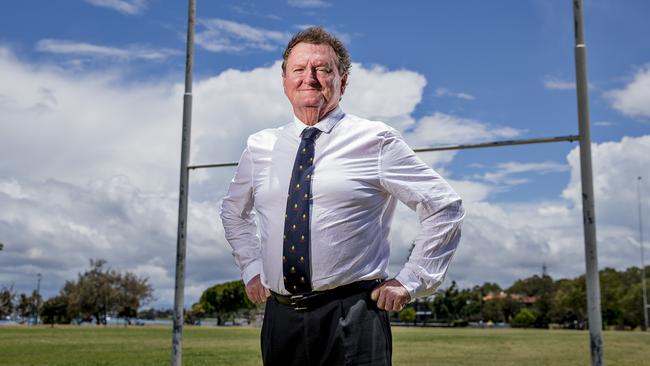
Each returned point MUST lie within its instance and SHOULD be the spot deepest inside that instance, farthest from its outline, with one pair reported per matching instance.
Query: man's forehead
(305, 50)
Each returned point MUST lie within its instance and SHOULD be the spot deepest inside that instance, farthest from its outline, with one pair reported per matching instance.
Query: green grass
(239, 346)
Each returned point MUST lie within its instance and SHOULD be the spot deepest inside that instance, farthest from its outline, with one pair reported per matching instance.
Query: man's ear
(344, 83)
(284, 87)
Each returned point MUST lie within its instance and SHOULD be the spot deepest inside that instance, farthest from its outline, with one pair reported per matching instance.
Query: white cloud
(59, 226)
(509, 173)
(130, 7)
(12, 189)
(616, 166)
(67, 47)
(220, 35)
(80, 126)
(308, 3)
(634, 99)
(444, 129)
(552, 83)
(377, 93)
(444, 92)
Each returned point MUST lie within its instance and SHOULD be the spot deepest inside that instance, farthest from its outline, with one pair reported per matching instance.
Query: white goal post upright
(181, 242)
(588, 210)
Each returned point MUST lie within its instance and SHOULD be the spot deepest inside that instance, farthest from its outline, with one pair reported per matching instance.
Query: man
(324, 188)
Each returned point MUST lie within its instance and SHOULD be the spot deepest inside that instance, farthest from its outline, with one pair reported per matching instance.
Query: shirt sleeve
(439, 210)
(238, 220)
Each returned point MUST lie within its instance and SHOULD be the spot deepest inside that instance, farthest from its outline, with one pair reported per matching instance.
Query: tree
(26, 307)
(225, 299)
(93, 295)
(6, 301)
(194, 315)
(55, 310)
(493, 311)
(632, 300)
(524, 319)
(149, 314)
(101, 291)
(134, 292)
(540, 290)
(569, 303)
(407, 315)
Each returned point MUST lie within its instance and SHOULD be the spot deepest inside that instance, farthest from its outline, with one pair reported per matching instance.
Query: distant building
(528, 300)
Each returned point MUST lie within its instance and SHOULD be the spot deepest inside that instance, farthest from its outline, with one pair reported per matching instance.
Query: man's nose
(309, 76)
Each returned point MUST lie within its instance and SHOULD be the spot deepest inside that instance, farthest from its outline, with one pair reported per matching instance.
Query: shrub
(407, 315)
(460, 323)
(524, 319)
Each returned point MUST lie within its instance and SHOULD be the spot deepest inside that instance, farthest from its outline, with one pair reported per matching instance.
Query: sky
(91, 106)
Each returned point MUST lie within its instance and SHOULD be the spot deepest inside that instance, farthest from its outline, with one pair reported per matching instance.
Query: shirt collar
(325, 125)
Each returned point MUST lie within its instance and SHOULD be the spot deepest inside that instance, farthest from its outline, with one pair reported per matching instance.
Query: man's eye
(323, 70)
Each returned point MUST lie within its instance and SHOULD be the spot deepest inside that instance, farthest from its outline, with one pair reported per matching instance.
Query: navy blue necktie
(296, 244)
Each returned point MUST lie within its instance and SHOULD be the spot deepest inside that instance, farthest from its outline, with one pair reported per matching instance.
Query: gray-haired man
(324, 188)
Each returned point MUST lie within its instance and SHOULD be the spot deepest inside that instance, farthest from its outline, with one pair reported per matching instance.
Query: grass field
(76, 346)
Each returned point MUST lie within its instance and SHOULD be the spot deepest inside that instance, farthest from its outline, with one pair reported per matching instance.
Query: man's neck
(311, 115)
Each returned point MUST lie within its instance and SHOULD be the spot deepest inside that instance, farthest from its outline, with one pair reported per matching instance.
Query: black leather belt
(314, 299)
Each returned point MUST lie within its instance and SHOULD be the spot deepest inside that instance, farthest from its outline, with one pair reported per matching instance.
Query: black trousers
(347, 331)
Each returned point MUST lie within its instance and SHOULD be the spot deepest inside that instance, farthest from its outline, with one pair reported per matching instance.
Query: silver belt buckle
(294, 302)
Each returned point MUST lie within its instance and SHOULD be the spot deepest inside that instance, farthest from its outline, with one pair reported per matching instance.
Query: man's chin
(312, 104)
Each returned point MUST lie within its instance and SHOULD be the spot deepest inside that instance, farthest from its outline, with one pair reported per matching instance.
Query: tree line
(96, 294)
(537, 301)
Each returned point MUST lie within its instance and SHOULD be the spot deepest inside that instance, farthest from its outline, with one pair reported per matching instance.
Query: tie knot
(310, 133)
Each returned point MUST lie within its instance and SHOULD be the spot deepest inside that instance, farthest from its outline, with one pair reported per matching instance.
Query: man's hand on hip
(390, 295)
(256, 292)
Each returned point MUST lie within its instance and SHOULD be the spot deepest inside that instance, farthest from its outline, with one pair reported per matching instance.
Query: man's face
(311, 78)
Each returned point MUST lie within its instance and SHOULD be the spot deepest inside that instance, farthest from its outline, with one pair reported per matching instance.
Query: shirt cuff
(252, 270)
(409, 280)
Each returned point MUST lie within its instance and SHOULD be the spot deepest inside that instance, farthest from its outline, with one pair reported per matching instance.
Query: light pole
(645, 294)
(38, 297)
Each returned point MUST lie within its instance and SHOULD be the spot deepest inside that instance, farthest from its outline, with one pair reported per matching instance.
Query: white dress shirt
(361, 169)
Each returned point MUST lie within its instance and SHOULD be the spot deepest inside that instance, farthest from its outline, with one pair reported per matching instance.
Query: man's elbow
(457, 209)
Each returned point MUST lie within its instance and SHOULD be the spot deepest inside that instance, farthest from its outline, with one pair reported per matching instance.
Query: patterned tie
(295, 253)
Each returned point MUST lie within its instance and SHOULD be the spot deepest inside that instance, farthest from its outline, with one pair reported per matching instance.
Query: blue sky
(90, 106)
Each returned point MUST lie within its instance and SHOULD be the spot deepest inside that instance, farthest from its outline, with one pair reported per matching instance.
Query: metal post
(588, 211)
(643, 285)
(541, 140)
(179, 294)
(38, 300)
